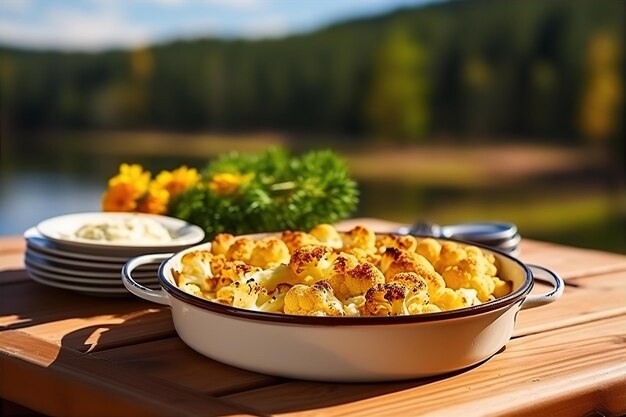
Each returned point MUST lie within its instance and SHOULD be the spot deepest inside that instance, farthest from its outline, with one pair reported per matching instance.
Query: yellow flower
(132, 190)
(120, 197)
(178, 180)
(134, 175)
(155, 202)
(227, 183)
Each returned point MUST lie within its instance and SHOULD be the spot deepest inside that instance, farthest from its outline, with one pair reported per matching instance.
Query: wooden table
(67, 354)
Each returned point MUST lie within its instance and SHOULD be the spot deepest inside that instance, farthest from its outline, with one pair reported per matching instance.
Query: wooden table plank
(585, 299)
(12, 276)
(81, 322)
(58, 381)
(536, 372)
(12, 260)
(571, 262)
(12, 244)
(171, 360)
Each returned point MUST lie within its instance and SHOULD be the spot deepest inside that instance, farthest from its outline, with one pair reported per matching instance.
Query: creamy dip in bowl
(135, 229)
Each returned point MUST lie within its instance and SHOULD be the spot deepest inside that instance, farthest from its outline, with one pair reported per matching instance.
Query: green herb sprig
(275, 191)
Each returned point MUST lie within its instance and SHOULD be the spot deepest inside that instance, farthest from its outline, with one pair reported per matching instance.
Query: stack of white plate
(55, 258)
(502, 236)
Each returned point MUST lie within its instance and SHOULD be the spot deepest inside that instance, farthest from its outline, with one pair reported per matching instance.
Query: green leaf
(283, 192)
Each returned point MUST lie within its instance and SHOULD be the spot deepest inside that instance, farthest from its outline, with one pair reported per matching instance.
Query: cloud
(16, 6)
(75, 31)
(224, 4)
(237, 4)
(273, 26)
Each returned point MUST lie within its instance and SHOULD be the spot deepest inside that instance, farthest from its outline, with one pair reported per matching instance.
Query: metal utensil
(502, 236)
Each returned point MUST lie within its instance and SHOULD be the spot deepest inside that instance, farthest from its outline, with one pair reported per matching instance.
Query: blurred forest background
(454, 111)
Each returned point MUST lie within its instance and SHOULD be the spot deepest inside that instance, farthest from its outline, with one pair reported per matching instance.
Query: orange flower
(179, 180)
(133, 175)
(120, 197)
(155, 202)
(131, 189)
(227, 183)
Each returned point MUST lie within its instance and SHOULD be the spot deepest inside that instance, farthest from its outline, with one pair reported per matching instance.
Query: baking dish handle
(156, 296)
(545, 275)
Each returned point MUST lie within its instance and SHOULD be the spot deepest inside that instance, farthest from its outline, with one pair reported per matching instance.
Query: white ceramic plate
(35, 240)
(85, 264)
(37, 277)
(33, 259)
(86, 282)
(61, 231)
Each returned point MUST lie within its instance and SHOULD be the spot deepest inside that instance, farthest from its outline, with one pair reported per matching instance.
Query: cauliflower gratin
(328, 273)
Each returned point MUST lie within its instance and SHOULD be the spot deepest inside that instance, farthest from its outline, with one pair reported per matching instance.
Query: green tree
(397, 103)
(602, 98)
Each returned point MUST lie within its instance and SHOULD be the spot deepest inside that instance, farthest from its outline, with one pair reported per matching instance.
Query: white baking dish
(346, 348)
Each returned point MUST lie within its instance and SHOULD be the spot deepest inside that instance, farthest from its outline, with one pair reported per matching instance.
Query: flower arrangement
(242, 193)
(132, 189)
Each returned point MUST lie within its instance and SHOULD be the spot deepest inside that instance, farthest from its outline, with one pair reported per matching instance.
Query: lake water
(28, 198)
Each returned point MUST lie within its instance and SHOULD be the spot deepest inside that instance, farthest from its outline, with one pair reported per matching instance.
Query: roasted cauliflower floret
(385, 300)
(394, 299)
(238, 271)
(271, 278)
(430, 249)
(363, 255)
(395, 261)
(247, 294)
(239, 294)
(328, 235)
(192, 289)
(395, 258)
(359, 237)
(451, 254)
(471, 269)
(502, 288)
(275, 303)
(470, 273)
(200, 268)
(252, 296)
(269, 252)
(349, 278)
(414, 283)
(297, 239)
(449, 299)
(197, 263)
(221, 243)
(353, 306)
(316, 300)
(310, 263)
(406, 242)
(241, 250)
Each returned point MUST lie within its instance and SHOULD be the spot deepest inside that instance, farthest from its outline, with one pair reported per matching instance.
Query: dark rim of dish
(240, 313)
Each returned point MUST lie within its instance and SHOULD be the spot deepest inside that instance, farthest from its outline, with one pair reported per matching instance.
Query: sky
(92, 25)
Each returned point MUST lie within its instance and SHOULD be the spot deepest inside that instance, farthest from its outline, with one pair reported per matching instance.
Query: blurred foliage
(603, 90)
(397, 105)
(544, 69)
